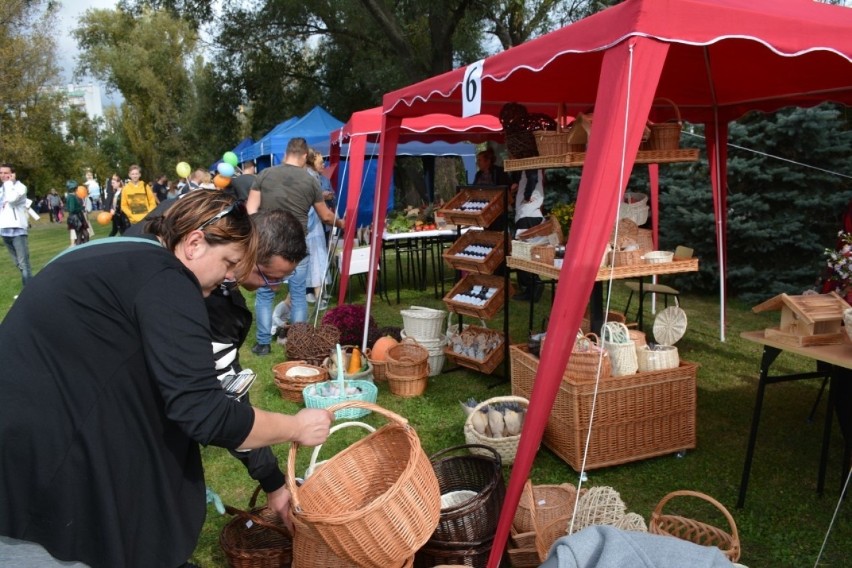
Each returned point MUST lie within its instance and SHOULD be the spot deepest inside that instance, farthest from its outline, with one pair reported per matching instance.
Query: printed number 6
(470, 84)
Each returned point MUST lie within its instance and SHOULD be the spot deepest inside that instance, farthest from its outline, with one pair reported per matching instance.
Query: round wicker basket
(255, 538)
(291, 386)
(506, 446)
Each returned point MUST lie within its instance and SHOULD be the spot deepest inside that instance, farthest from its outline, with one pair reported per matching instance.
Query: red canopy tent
(366, 126)
(717, 59)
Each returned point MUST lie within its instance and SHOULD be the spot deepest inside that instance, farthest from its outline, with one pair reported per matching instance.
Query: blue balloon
(225, 169)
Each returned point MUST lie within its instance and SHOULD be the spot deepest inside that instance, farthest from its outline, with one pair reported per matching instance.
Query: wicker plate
(670, 325)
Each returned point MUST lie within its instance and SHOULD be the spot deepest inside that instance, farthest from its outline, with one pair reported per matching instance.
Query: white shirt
(533, 207)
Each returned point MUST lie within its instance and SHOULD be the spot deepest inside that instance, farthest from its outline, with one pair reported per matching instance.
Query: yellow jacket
(137, 200)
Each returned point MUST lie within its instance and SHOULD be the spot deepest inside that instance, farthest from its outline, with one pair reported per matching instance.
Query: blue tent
(314, 127)
(256, 150)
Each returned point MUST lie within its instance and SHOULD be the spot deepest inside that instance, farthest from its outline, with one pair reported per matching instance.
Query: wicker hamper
(376, 502)
(255, 538)
(636, 416)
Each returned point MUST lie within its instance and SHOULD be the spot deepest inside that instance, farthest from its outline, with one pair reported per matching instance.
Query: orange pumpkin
(381, 346)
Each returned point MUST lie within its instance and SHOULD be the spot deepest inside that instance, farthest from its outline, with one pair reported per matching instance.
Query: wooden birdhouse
(810, 319)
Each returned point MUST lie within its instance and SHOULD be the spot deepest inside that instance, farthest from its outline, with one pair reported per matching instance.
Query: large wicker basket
(290, 386)
(506, 446)
(465, 553)
(636, 416)
(376, 502)
(697, 531)
(407, 386)
(407, 359)
(584, 364)
(475, 519)
(423, 323)
(256, 538)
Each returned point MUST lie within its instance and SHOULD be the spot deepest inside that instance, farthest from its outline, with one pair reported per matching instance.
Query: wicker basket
(464, 286)
(256, 538)
(311, 344)
(407, 359)
(636, 416)
(454, 214)
(314, 553)
(586, 357)
(544, 254)
(665, 135)
(487, 365)
(482, 265)
(407, 386)
(625, 257)
(557, 142)
(506, 446)
(436, 554)
(621, 349)
(521, 144)
(365, 374)
(658, 358)
(550, 228)
(475, 519)
(423, 323)
(368, 393)
(379, 367)
(658, 256)
(636, 211)
(543, 504)
(696, 531)
(291, 387)
(376, 502)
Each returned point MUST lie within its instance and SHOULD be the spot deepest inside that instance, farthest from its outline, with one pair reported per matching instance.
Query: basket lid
(670, 325)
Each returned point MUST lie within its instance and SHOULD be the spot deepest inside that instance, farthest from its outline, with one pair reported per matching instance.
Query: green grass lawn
(783, 522)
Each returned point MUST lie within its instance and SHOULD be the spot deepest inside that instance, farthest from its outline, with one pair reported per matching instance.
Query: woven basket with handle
(621, 348)
(696, 531)
(376, 502)
(256, 538)
(506, 446)
(665, 135)
(586, 357)
(291, 386)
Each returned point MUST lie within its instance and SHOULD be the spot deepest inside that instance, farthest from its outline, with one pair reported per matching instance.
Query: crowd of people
(100, 456)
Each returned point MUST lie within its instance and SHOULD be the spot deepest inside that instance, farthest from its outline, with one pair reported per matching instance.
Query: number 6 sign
(472, 89)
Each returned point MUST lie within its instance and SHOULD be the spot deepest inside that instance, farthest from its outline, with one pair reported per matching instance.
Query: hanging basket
(256, 538)
(697, 531)
(376, 502)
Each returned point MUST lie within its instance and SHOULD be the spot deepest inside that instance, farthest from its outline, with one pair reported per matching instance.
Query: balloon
(230, 158)
(183, 169)
(225, 169)
(221, 182)
(82, 192)
(104, 217)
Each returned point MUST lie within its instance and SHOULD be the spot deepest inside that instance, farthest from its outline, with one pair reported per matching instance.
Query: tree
(145, 58)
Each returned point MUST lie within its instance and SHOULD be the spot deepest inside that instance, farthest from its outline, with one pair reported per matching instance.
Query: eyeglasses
(238, 205)
(266, 280)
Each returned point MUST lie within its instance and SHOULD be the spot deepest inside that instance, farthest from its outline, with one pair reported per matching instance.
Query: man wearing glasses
(289, 187)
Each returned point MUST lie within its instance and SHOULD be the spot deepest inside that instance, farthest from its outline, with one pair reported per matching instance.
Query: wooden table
(827, 357)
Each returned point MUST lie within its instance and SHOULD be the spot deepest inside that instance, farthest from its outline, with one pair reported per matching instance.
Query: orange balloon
(104, 218)
(82, 192)
(221, 181)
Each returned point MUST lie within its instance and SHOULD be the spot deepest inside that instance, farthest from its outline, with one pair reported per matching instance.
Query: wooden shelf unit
(576, 159)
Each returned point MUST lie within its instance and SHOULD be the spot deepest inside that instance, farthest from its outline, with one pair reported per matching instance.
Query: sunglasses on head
(266, 280)
(238, 205)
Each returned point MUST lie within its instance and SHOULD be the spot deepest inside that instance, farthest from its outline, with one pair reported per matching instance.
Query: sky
(69, 16)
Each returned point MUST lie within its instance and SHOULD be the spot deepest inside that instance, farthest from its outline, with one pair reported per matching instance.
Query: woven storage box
(543, 254)
(291, 387)
(407, 386)
(506, 446)
(665, 135)
(659, 358)
(376, 502)
(493, 207)
(636, 416)
(491, 306)
(423, 323)
(408, 358)
(484, 264)
(486, 365)
(696, 531)
(256, 538)
(458, 470)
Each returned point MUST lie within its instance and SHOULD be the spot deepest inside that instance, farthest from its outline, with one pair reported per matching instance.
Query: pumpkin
(354, 362)
(381, 346)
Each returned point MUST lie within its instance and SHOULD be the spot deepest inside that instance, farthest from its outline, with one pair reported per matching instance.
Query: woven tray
(483, 218)
(491, 306)
(484, 265)
(636, 417)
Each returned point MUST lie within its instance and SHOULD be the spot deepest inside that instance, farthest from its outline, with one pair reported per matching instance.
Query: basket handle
(674, 106)
(313, 463)
(658, 511)
(294, 446)
(257, 520)
(434, 457)
(615, 332)
(495, 400)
